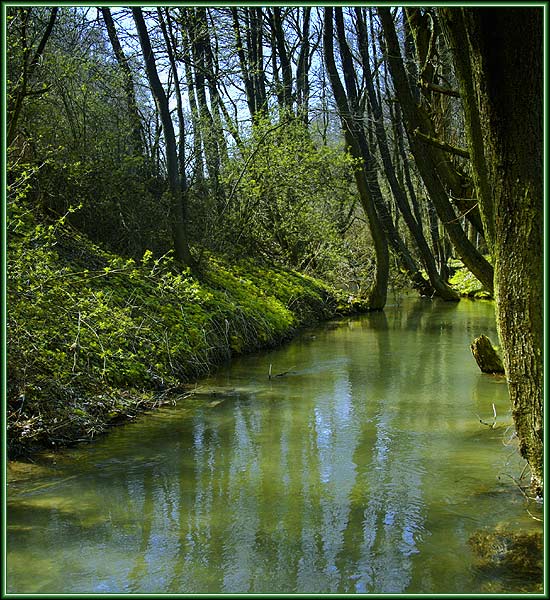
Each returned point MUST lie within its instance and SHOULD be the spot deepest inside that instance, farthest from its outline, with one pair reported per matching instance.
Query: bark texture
(500, 70)
(486, 356)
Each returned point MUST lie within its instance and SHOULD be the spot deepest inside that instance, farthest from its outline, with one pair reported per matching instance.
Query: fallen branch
(486, 356)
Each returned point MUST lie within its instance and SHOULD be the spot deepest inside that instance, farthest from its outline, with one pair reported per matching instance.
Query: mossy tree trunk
(498, 55)
(486, 356)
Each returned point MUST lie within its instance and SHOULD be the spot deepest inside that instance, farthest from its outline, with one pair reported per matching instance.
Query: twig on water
(491, 425)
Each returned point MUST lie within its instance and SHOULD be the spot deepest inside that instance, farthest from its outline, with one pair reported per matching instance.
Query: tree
(177, 199)
(251, 62)
(365, 177)
(441, 287)
(428, 158)
(137, 137)
(21, 89)
(498, 57)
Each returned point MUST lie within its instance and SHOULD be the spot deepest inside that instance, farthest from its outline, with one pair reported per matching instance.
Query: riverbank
(465, 282)
(95, 339)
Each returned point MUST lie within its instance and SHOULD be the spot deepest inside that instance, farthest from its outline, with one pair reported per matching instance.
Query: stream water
(363, 469)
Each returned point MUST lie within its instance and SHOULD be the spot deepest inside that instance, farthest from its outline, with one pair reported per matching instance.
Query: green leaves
(290, 197)
(138, 323)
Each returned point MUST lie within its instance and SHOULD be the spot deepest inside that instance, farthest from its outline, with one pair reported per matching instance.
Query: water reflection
(359, 471)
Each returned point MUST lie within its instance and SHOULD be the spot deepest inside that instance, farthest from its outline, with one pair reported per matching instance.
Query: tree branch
(440, 144)
(439, 89)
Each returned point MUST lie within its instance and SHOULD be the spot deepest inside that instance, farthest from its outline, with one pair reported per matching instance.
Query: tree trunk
(427, 159)
(424, 28)
(215, 97)
(198, 171)
(133, 112)
(382, 209)
(486, 356)
(286, 67)
(207, 123)
(354, 135)
(248, 85)
(499, 63)
(177, 199)
(302, 79)
(441, 288)
(30, 62)
(171, 46)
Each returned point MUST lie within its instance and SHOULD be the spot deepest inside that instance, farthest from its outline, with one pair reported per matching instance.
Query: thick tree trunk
(248, 85)
(499, 63)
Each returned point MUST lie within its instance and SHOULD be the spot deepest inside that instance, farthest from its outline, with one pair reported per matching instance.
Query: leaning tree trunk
(131, 102)
(428, 159)
(441, 288)
(499, 63)
(355, 139)
(418, 280)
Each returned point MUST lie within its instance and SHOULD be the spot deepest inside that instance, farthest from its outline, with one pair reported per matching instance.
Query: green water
(363, 470)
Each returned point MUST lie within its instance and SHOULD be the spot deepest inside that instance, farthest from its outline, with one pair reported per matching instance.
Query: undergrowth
(94, 337)
(465, 282)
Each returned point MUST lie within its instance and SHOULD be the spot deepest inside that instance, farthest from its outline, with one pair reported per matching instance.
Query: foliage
(82, 320)
(78, 132)
(465, 282)
(289, 199)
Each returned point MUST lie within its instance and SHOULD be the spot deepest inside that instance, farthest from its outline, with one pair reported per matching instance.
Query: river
(363, 469)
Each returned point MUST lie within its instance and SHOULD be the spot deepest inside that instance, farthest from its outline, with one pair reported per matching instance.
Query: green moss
(466, 283)
(91, 333)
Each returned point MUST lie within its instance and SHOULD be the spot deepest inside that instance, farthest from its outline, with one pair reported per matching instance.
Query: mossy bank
(465, 282)
(94, 338)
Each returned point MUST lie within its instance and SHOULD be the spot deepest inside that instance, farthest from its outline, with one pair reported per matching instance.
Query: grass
(95, 338)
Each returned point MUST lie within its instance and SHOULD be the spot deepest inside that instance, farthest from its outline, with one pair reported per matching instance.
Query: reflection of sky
(326, 481)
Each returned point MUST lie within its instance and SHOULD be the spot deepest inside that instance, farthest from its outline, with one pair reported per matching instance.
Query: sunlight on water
(363, 469)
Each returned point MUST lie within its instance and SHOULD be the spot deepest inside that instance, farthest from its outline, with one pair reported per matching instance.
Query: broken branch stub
(486, 356)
